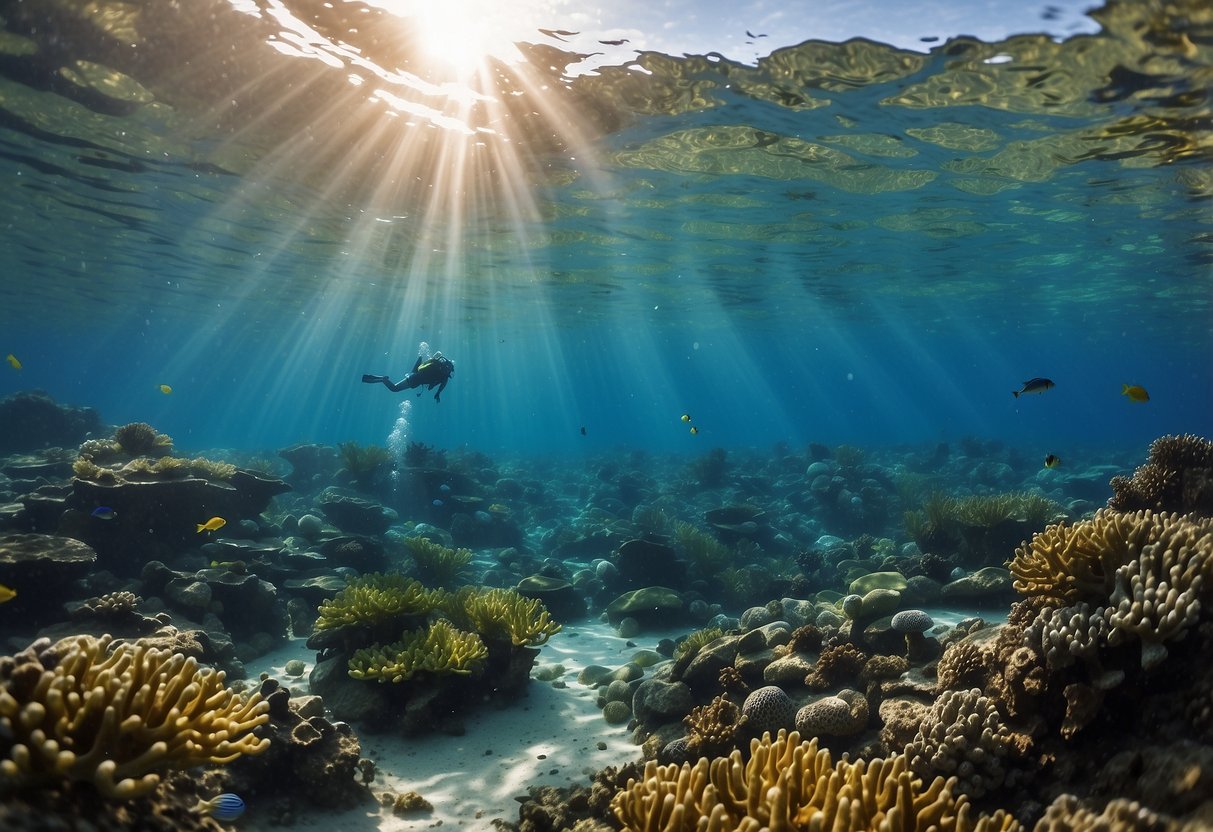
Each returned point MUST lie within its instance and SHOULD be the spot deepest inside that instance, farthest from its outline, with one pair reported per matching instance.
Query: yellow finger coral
(375, 599)
(116, 719)
(437, 564)
(790, 785)
(439, 649)
(504, 615)
(1076, 562)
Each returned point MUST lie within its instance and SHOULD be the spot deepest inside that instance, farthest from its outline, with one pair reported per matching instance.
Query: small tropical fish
(444, 488)
(1135, 392)
(436, 503)
(583, 430)
(104, 513)
(225, 807)
(13, 362)
(211, 525)
(686, 417)
(1034, 385)
(694, 430)
(7, 594)
(165, 389)
(1052, 461)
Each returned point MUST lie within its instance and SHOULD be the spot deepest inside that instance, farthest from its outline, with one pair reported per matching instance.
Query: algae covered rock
(877, 580)
(650, 605)
(41, 569)
(352, 513)
(993, 583)
(557, 595)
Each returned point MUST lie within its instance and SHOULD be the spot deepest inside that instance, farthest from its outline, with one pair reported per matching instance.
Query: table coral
(117, 718)
(787, 784)
(439, 649)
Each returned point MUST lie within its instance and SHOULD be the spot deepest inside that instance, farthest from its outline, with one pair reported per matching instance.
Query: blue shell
(227, 807)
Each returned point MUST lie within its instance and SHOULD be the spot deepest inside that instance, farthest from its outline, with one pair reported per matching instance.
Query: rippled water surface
(256, 202)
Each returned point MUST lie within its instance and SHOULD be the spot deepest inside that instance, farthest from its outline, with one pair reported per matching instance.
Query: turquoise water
(833, 243)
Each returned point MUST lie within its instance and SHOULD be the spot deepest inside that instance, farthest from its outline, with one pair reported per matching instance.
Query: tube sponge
(116, 718)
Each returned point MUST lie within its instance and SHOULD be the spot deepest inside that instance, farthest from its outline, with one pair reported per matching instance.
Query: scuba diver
(432, 372)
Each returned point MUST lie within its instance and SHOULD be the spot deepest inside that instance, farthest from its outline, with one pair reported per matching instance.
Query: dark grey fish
(1034, 385)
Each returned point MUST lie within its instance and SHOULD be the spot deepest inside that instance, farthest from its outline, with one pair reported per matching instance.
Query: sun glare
(457, 34)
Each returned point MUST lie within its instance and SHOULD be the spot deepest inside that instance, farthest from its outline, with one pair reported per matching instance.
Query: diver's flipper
(372, 379)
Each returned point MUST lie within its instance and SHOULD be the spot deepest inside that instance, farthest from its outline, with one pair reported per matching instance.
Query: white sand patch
(550, 737)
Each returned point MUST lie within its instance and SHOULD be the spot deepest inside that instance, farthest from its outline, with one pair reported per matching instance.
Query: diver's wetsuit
(432, 372)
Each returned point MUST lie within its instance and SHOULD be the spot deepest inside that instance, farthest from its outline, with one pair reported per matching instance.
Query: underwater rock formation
(31, 420)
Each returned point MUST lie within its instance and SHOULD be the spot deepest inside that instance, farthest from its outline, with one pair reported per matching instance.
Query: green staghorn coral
(117, 718)
(436, 564)
(439, 649)
(375, 599)
(503, 615)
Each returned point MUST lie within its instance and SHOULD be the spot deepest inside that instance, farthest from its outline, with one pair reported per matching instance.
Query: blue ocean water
(867, 263)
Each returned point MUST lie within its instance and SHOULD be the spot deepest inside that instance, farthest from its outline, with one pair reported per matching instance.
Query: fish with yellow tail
(1135, 393)
(1052, 461)
(7, 594)
(12, 361)
(214, 524)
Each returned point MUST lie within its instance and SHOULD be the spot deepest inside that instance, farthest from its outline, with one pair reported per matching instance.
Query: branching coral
(836, 665)
(439, 649)
(118, 718)
(141, 439)
(376, 599)
(85, 469)
(503, 615)
(436, 564)
(1154, 568)
(1177, 476)
(787, 784)
(1076, 562)
(712, 729)
(964, 736)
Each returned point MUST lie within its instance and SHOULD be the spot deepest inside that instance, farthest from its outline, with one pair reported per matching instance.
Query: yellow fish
(1135, 392)
(694, 430)
(13, 362)
(7, 594)
(165, 389)
(211, 525)
(686, 417)
(1052, 461)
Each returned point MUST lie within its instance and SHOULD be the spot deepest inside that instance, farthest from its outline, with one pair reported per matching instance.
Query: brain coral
(787, 784)
(964, 736)
(842, 715)
(116, 718)
(769, 709)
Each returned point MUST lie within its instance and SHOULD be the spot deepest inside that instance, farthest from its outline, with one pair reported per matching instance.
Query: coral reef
(117, 718)
(503, 615)
(374, 600)
(436, 564)
(837, 664)
(964, 736)
(787, 784)
(439, 649)
(712, 729)
(1177, 476)
(141, 439)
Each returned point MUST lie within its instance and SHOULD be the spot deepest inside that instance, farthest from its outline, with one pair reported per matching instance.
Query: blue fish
(225, 807)
(444, 488)
(437, 504)
(104, 513)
